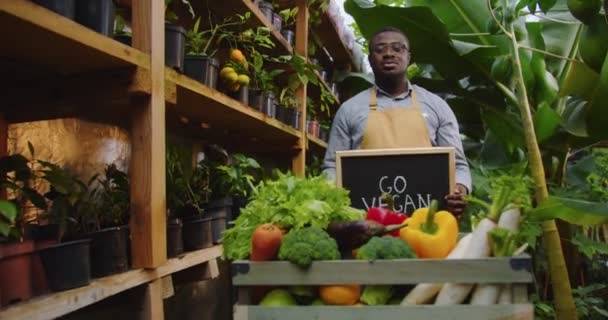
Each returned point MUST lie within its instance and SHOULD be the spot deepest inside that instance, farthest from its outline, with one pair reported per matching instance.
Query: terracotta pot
(15, 271)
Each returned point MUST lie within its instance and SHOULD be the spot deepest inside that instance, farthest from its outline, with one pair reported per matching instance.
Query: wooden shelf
(61, 303)
(209, 108)
(328, 34)
(316, 145)
(41, 39)
(230, 7)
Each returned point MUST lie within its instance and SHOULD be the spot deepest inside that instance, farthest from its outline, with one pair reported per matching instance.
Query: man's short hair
(383, 30)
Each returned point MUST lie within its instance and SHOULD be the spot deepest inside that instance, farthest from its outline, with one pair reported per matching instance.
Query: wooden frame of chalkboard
(419, 157)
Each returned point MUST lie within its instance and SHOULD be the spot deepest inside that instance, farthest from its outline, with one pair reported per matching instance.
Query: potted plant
(202, 45)
(324, 128)
(232, 182)
(288, 17)
(302, 73)
(16, 245)
(262, 87)
(175, 37)
(67, 264)
(187, 192)
(312, 124)
(105, 223)
(66, 8)
(97, 15)
(121, 32)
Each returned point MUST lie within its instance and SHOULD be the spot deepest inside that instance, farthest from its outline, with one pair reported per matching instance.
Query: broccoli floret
(305, 245)
(384, 248)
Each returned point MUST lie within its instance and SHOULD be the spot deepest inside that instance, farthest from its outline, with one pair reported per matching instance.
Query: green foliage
(292, 203)
(171, 16)
(376, 295)
(236, 178)
(207, 42)
(186, 186)
(302, 72)
(288, 17)
(114, 197)
(8, 214)
(385, 248)
(303, 246)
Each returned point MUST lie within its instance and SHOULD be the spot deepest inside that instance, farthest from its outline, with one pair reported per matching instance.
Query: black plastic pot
(175, 241)
(268, 105)
(202, 69)
(256, 100)
(277, 22)
(67, 265)
(289, 35)
(66, 8)
(109, 251)
(242, 95)
(124, 38)
(266, 8)
(175, 37)
(197, 234)
(295, 119)
(282, 113)
(97, 15)
(220, 213)
(238, 203)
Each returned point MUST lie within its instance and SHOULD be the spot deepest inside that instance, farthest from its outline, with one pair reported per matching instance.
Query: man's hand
(455, 200)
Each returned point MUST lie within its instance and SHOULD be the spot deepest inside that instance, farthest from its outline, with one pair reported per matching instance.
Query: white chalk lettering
(397, 206)
(422, 203)
(366, 205)
(403, 184)
(380, 185)
(409, 201)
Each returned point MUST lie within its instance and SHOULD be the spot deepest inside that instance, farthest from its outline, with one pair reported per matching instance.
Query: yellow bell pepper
(430, 233)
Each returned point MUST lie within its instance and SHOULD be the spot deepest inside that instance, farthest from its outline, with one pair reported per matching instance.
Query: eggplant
(353, 234)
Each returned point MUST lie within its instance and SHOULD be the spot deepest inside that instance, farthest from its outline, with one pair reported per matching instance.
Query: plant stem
(507, 33)
(562, 292)
(547, 53)
(470, 34)
(430, 226)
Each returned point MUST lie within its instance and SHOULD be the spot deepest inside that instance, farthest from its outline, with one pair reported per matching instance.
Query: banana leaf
(574, 211)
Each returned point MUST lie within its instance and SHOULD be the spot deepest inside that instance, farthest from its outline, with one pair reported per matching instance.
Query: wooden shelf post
(299, 161)
(147, 170)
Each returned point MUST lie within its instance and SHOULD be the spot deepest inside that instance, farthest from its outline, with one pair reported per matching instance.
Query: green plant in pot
(288, 17)
(301, 73)
(122, 32)
(203, 44)
(232, 181)
(17, 178)
(187, 193)
(105, 222)
(68, 263)
(175, 35)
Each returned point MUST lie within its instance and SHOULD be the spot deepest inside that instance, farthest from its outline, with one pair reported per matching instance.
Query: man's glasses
(396, 47)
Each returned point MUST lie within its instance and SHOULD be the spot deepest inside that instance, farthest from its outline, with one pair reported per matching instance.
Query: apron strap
(373, 101)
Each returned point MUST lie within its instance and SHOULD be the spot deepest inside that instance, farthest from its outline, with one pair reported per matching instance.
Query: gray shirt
(350, 120)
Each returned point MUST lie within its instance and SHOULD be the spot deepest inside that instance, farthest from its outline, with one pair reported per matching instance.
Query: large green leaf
(546, 122)
(580, 80)
(8, 213)
(429, 38)
(597, 121)
(574, 211)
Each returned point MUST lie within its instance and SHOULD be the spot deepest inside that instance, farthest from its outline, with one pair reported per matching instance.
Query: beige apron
(395, 127)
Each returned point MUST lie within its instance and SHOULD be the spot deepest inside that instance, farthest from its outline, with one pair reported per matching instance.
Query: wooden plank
(520, 293)
(101, 95)
(55, 305)
(422, 312)
(404, 271)
(215, 111)
(168, 290)
(317, 145)
(148, 217)
(152, 306)
(299, 161)
(33, 35)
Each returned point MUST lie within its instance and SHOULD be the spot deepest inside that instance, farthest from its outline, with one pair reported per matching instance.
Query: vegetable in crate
(382, 248)
(289, 202)
(432, 234)
(266, 242)
(386, 216)
(340, 295)
(352, 235)
(278, 298)
(303, 246)
(379, 248)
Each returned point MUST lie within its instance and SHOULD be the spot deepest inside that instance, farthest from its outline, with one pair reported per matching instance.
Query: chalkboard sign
(412, 176)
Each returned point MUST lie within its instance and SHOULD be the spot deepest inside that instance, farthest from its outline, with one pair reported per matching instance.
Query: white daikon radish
(455, 293)
(424, 292)
(486, 294)
(506, 189)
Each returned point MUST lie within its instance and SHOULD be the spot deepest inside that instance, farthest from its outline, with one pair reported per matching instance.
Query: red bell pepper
(386, 216)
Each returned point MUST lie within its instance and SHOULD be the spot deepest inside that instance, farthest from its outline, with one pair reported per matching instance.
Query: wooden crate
(515, 270)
